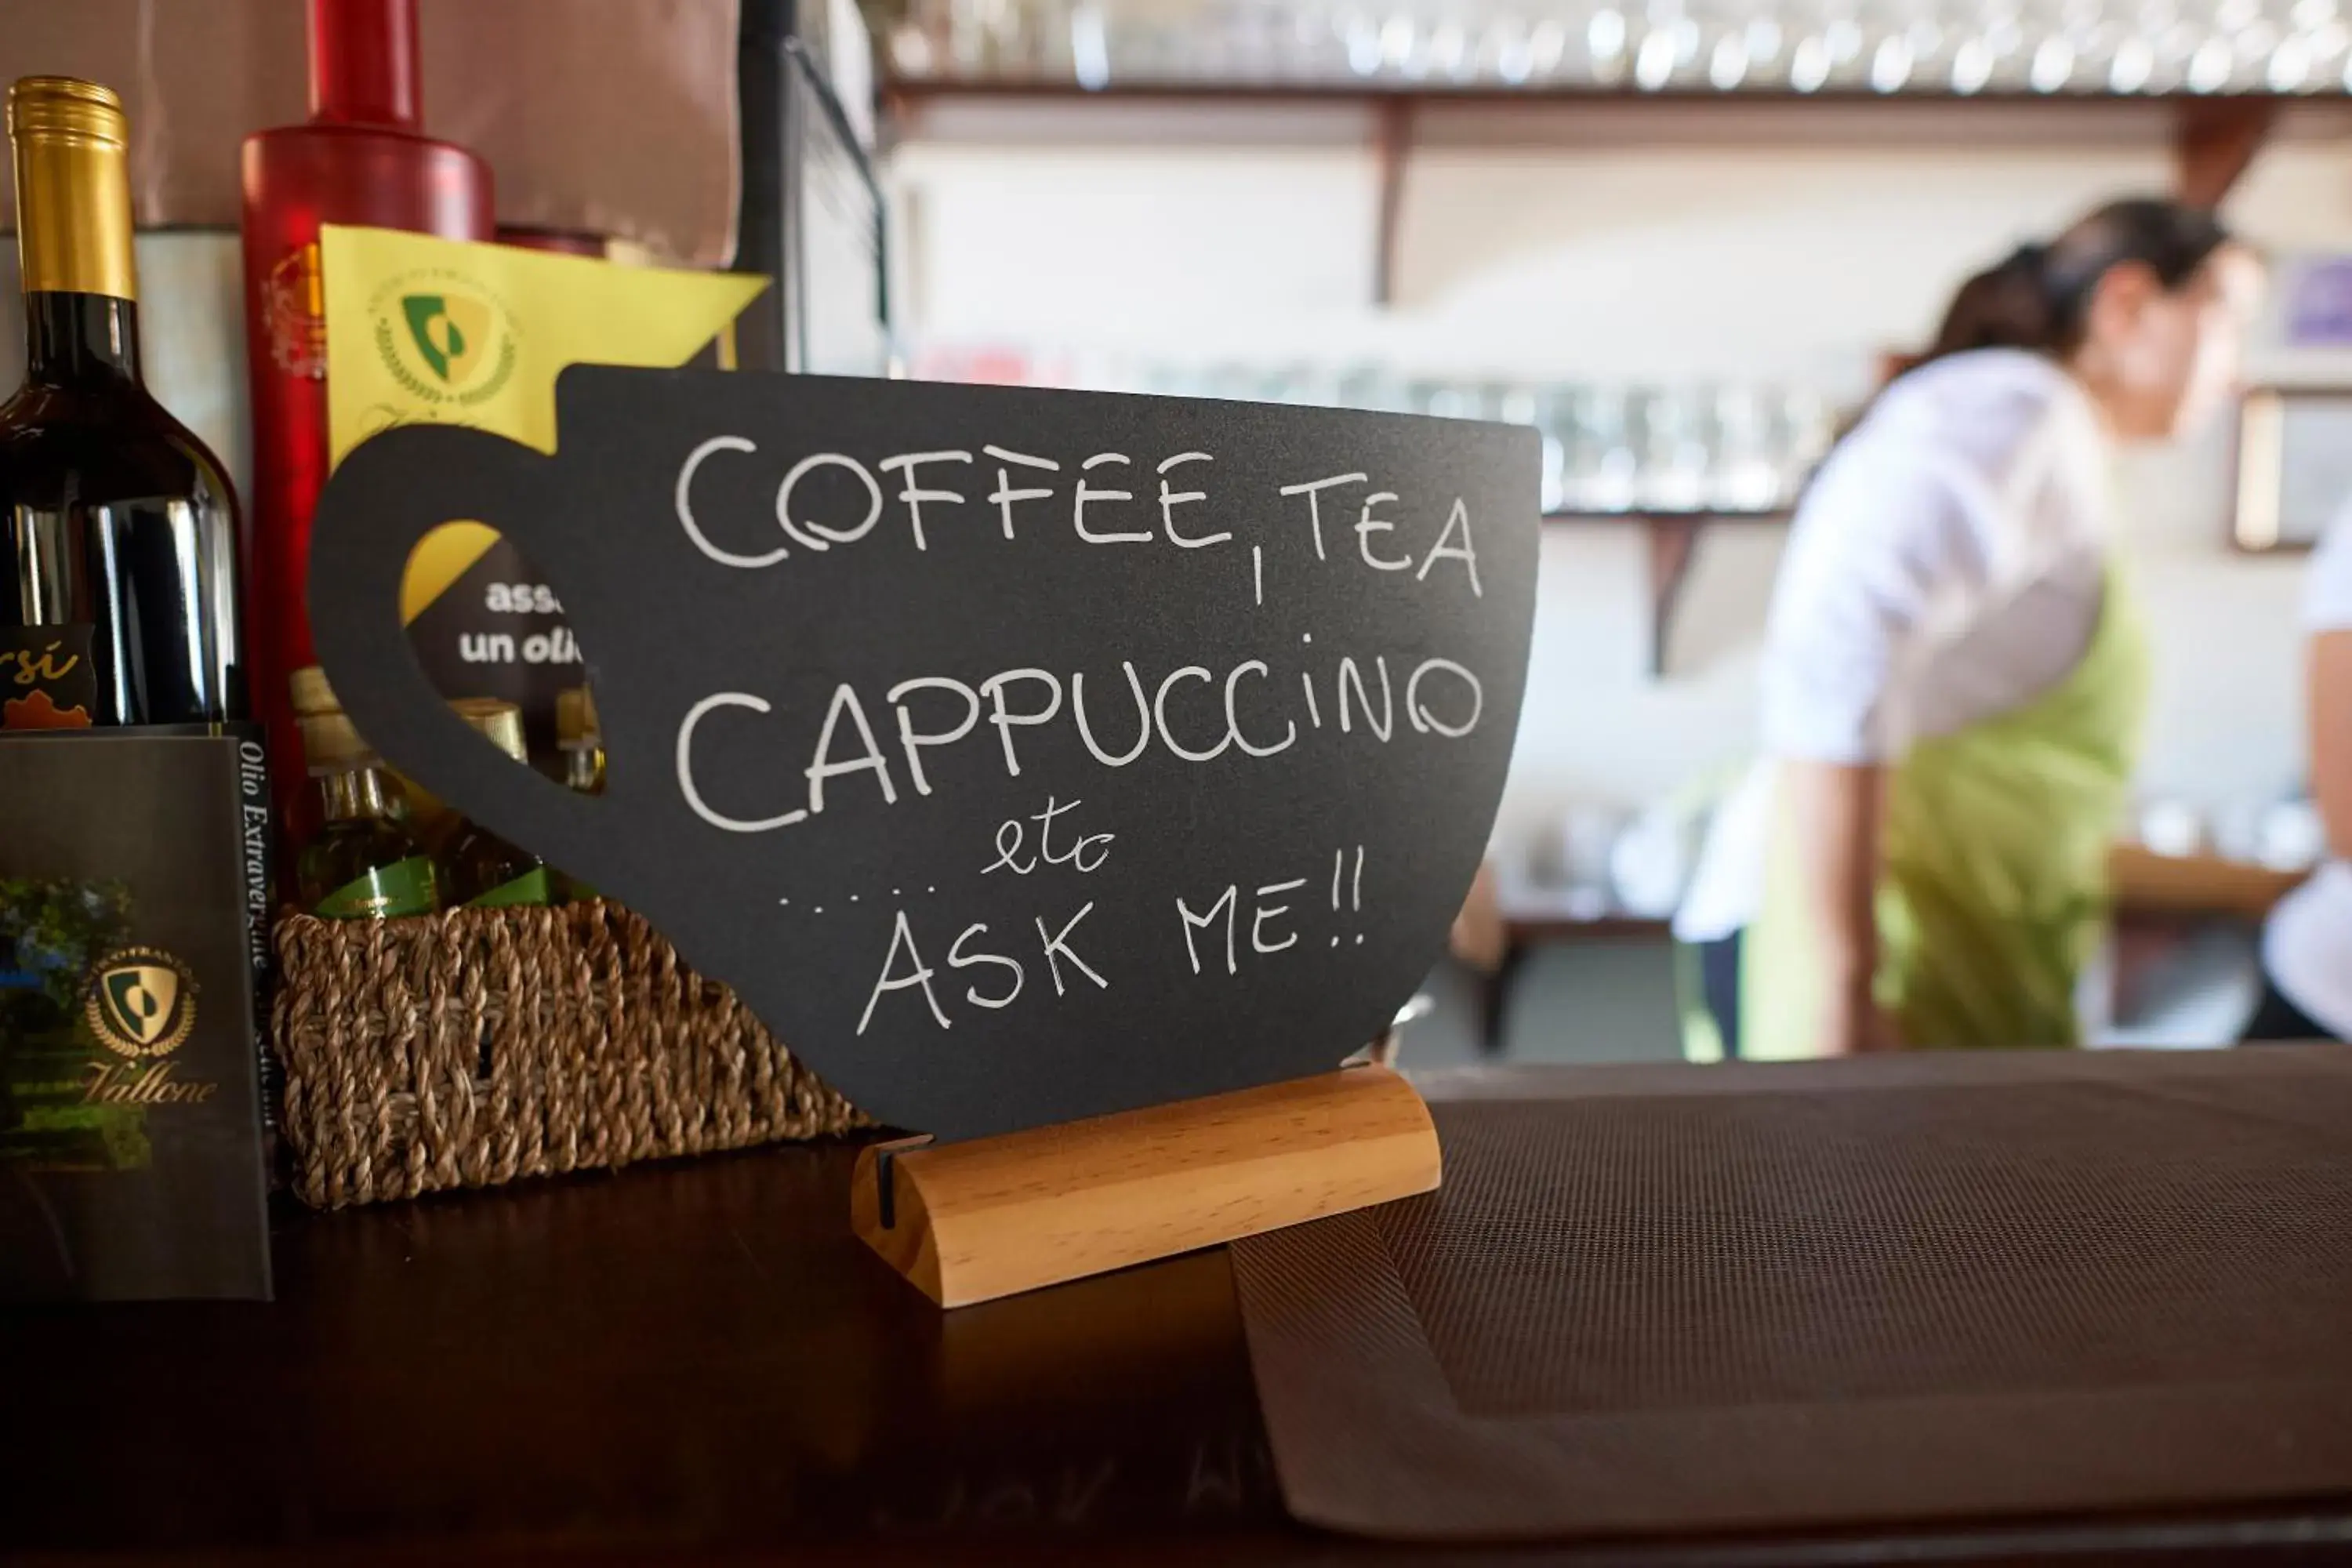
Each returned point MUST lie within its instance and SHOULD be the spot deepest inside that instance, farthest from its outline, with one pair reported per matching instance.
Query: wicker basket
(477, 1047)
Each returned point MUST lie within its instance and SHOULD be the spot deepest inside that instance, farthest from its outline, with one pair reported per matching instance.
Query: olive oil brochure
(134, 884)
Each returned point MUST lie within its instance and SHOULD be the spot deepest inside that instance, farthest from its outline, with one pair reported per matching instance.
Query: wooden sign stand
(972, 1221)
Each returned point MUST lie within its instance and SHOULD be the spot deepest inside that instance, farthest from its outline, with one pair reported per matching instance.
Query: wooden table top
(698, 1360)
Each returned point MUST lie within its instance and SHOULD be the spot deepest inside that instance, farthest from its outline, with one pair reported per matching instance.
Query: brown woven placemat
(1907, 1290)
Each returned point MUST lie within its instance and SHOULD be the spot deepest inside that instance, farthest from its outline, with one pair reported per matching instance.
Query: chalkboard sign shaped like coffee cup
(1020, 757)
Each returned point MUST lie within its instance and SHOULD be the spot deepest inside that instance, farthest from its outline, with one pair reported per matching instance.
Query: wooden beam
(2213, 141)
(1392, 140)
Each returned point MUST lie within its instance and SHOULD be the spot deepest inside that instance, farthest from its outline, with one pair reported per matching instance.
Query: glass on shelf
(1047, 38)
(1089, 46)
(1506, 51)
(1578, 868)
(1548, 48)
(1605, 53)
(1307, 385)
(1507, 404)
(1309, 46)
(1599, 465)
(1548, 411)
(1442, 399)
(1763, 44)
(1516, 405)
(1675, 441)
(1236, 383)
(911, 54)
(1747, 475)
(1370, 387)
(1805, 425)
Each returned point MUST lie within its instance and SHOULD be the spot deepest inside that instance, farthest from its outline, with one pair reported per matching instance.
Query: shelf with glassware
(2206, 78)
(1671, 460)
(1675, 462)
(1969, 50)
(2093, 116)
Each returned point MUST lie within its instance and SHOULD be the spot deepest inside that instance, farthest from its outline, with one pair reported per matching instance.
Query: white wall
(1582, 256)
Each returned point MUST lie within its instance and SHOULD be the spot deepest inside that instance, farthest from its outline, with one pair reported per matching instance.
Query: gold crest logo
(141, 1002)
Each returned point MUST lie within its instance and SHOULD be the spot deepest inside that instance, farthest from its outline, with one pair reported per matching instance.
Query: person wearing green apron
(1955, 670)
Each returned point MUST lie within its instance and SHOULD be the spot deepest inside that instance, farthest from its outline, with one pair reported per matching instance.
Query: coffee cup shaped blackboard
(1016, 755)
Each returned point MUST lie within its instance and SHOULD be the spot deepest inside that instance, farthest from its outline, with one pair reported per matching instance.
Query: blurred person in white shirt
(1955, 674)
(2307, 940)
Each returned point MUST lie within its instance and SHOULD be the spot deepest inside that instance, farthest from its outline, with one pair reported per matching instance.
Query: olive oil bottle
(484, 870)
(364, 862)
(411, 801)
(581, 739)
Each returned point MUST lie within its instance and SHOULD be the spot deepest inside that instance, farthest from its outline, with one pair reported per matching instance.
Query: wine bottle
(121, 604)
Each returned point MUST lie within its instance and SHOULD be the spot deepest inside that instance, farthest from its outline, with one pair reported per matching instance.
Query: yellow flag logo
(446, 341)
(452, 333)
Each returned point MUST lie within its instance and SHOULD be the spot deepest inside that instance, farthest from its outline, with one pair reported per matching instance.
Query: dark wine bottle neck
(81, 341)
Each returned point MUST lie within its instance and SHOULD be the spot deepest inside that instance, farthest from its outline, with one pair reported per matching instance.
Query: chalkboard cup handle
(391, 492)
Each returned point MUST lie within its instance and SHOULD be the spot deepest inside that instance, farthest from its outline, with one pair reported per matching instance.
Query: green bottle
(365, 862)
(582, 740)
(484, 870)
(429, 818)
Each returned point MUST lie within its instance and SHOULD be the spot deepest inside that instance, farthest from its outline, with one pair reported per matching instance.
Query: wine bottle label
(533, 887)
(46, 678)
(403, 888)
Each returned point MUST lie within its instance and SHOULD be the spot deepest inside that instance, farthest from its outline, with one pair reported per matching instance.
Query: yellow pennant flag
(421, 330)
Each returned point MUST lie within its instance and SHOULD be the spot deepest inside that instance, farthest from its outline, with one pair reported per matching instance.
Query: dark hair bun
(2038, 298)
(2006, 306)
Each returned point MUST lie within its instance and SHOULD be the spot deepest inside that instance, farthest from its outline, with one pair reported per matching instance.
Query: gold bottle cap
(68, 108)
(501, 722)
(73, 187)
(333, 744)
(575, 718)
(312, 693)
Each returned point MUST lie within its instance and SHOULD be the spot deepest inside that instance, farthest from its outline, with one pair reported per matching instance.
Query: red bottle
(362, 159)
